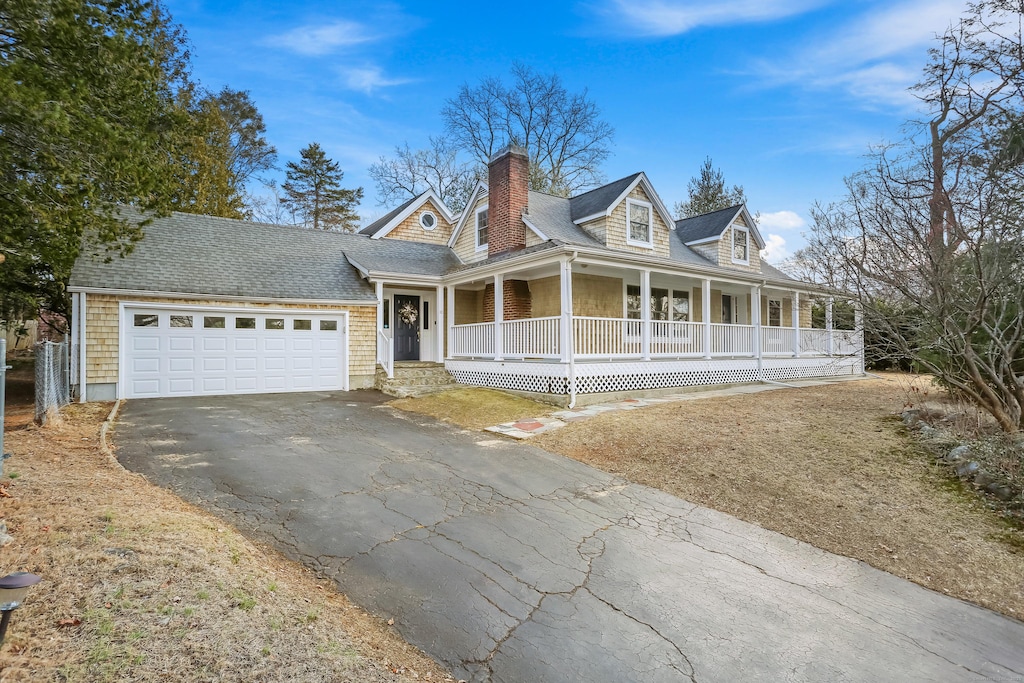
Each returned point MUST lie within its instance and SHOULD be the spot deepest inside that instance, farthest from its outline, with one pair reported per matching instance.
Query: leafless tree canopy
(566, 138)
(930, 236)
(410, 173)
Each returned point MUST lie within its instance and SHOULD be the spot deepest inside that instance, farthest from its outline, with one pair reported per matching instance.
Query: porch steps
(414, 378)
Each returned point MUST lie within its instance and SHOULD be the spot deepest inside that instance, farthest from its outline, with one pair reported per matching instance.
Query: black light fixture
(13, 589)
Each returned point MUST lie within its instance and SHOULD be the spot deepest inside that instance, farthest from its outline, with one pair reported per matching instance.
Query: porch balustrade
(615, 338)
(732, 340)
(386, 353)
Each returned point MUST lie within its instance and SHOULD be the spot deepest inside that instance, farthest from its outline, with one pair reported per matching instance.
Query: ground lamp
(13, 589)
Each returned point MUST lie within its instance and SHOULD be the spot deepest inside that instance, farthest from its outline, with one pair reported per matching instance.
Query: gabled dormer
(626, 214)
(424, 218)
(727, 237)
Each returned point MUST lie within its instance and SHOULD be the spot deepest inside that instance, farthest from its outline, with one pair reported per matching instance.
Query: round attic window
(428, 220)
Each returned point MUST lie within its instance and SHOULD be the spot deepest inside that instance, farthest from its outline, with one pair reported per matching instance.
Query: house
(601, 292)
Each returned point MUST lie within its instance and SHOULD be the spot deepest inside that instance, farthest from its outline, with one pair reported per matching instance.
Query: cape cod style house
(601, 292)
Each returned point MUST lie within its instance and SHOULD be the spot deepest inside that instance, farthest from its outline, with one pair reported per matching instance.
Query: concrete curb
(104, 444)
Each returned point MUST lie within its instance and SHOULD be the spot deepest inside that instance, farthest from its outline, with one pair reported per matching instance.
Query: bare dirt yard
(832, 466)
(138, 585)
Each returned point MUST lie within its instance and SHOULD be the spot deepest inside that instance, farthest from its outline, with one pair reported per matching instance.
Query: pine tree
(708, 193)
(313, 192)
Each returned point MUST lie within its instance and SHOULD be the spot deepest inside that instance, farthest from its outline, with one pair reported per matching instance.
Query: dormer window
(481, 228)
(740, 246)
(639, 221)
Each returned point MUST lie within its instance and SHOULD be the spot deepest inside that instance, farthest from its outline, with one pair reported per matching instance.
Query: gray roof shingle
(376, 226)
(706, 225)
(599, 199)
(400, 256)
(552, 216)
(185, 253)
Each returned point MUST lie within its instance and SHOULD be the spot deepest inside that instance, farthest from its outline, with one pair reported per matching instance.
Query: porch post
(796, 324)
(858, 326)
(755, 319)
(828, 326)
(380, 320)
(499, 313)
(645, 314)
(705, 310)
(565, 333)
(449, 320)
(439, 325)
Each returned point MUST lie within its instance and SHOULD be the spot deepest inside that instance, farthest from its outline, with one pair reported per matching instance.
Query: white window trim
(424, 225)
(768, 311)
(650, 223)
(476, 228)
(732, 251)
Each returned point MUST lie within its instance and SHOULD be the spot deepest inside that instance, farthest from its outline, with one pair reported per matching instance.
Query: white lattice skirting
(599, 377)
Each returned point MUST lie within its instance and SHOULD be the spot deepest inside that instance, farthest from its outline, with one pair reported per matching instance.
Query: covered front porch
(581, 326)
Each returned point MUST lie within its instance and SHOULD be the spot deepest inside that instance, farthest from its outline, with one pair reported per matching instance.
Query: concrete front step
(413, 378)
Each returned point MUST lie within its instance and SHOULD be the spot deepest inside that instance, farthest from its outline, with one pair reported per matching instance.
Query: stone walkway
(533, 426)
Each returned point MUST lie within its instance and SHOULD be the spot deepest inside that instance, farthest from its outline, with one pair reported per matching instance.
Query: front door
(407, 327)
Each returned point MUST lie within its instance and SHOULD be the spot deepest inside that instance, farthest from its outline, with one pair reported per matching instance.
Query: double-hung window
(481, 228)
(774, 313)
(740, 246)
(639, 222)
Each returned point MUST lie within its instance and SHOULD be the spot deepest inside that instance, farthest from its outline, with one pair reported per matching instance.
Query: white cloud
(775, 250)
(780, 220)
(316, 40)
(369, 78)
(874, 58)
(672, 17)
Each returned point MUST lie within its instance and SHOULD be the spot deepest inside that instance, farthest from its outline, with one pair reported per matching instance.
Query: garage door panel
(166, 360)
(181, 344)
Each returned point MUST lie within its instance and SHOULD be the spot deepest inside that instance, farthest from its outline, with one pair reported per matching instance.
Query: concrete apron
(507, 563)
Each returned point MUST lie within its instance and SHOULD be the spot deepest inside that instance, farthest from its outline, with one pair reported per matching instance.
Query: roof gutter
(195, 296)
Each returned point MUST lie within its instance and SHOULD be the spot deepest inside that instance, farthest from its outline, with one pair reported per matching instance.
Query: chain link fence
(53, 388)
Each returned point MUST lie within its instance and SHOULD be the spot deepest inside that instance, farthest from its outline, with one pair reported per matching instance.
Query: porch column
(828, 326)
(450, 320)
(858, 326)
(755, 318)
(83, 368)
(796, 324)
(705, 310)
(439, 325)
(565, 332)
(380, 305)
(499, 313)
(645, 314)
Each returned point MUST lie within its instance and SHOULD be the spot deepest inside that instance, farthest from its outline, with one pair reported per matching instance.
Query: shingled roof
(374, 227)
(599, 199)
(186, 253)
(706, 225)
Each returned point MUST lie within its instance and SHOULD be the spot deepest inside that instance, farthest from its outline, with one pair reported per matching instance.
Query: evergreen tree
(708, 193)
(313, 192)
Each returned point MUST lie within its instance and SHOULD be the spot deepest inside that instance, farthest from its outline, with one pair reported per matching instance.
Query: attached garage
(206, 306)
(195, 351)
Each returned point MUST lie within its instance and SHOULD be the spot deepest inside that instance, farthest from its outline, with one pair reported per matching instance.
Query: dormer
(728, 237)
(424, 218)
(626, 215)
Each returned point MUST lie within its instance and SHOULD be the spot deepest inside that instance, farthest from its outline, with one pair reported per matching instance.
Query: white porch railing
(777, 341)
(732, 340)
(385, 353)
(847, 342)
(605, 337)
(475, 339)
(531, 338)
(814, 342)
(676, 338)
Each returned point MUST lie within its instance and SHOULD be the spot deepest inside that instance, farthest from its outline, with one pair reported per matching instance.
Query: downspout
(572, 349)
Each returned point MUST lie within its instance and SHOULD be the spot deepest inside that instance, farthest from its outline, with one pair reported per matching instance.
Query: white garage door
(195, 352)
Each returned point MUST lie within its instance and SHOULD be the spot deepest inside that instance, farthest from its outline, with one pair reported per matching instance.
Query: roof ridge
(601, 187)
(710, 213)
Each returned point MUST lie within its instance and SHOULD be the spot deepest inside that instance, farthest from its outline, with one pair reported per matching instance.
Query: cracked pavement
(507, 563)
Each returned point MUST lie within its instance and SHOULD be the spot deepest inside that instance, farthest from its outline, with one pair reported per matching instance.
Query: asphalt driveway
(507, 563)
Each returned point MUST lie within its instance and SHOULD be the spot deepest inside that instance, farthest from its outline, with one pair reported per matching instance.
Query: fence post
(3, 391)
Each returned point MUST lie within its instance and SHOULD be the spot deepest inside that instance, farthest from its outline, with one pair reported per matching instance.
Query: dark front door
(407, 327)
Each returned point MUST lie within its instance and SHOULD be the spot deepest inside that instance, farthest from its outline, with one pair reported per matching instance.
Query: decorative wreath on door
(408, 314)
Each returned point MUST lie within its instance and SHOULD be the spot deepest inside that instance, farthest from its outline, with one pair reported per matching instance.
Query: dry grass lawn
(474, 408)
(831, 465)
(139, 585)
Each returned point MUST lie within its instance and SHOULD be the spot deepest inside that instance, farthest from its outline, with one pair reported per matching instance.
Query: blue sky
(785, 96)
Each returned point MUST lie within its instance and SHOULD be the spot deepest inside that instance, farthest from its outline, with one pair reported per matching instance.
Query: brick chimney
(508, 182)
